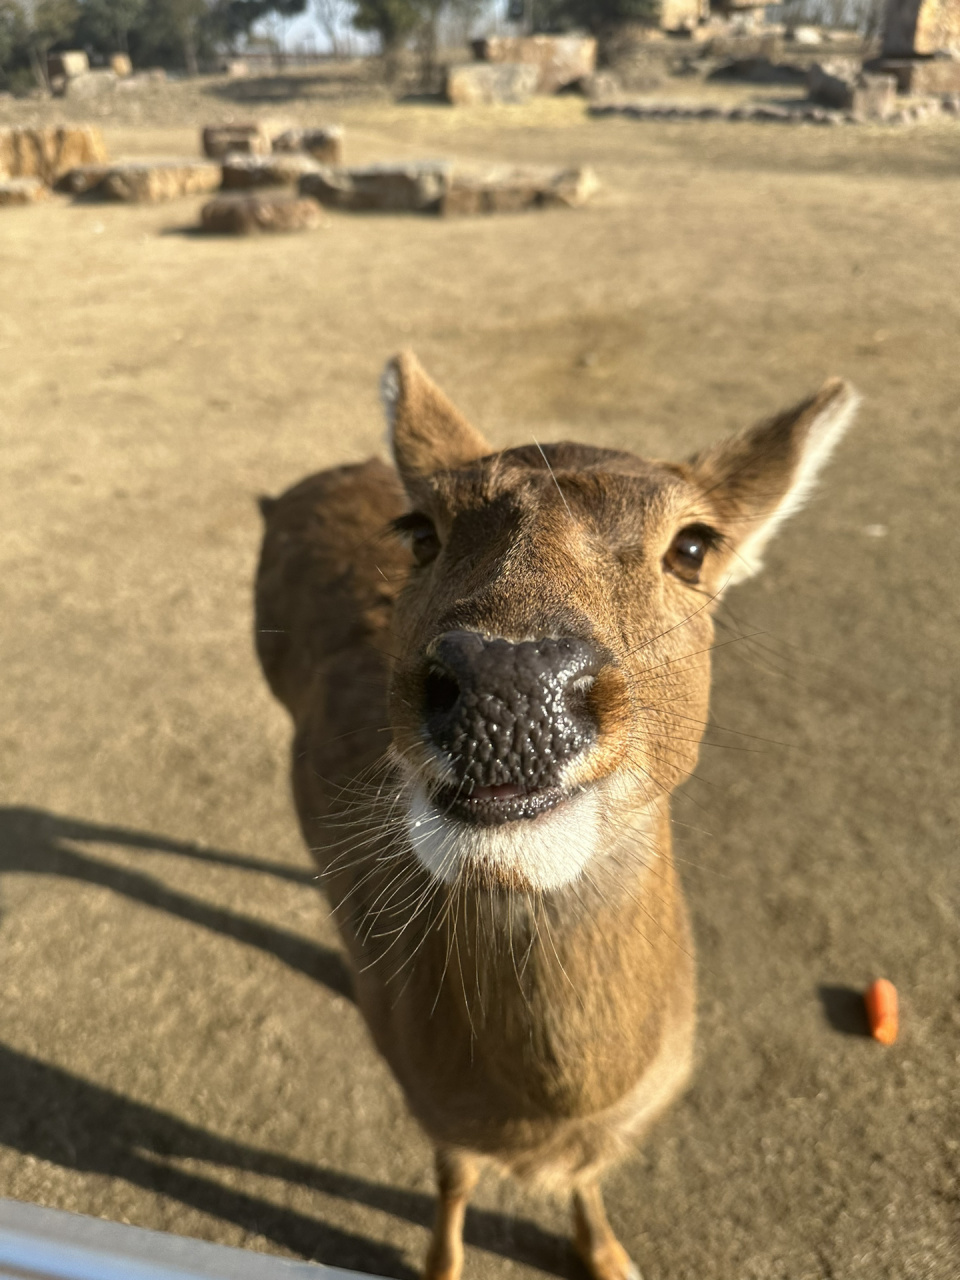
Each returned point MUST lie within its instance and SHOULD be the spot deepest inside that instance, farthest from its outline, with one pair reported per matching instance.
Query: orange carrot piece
(881, 1001)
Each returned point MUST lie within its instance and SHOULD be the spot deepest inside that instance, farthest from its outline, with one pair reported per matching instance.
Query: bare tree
(333, 19)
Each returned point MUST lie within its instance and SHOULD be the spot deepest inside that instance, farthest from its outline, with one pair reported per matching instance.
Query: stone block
(92, 84)
(324, 145)
(151, 181)
(921, 27)
(874, 97)
(46, 153)
(920, 76)
(22, 191)
(501, 189)
(415, 187)
(82, 179)
(244, 173)
(559, 60)
(482, 83)
(219, 140)
(809, 36)
(862, 94)
(74, 62)
(447, 189)
(121, 66)
(243, 215)
(683, 15)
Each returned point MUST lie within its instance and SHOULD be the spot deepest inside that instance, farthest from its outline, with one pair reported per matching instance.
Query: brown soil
(176, 1049)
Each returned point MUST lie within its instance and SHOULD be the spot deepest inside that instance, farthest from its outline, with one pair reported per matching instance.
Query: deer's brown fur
(531, 985)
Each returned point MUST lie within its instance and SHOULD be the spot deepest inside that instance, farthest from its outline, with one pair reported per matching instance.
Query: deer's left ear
(427, 433)
(756, 479)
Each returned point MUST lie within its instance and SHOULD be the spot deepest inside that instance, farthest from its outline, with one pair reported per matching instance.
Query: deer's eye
(421, 534)
(688, 550)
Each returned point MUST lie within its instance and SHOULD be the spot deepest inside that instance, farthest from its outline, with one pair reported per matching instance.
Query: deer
(497, 667)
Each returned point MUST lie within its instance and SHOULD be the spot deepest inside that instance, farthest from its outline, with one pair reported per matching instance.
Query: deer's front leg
(457, 1175)
(600, 1251)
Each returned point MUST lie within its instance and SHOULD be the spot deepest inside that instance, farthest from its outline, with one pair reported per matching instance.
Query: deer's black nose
(510, 714)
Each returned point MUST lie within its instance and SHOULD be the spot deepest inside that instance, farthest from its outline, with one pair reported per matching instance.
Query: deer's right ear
(427, 433)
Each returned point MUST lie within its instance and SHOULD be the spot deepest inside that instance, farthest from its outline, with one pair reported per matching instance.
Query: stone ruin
(511, 68)
(916, 76)
(270, 177)
(33, 160)
(921, 46)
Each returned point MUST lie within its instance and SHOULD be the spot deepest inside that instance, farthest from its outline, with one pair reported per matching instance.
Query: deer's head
(553, 642)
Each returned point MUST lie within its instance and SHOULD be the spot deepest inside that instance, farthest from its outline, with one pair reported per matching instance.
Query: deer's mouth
(491, 806)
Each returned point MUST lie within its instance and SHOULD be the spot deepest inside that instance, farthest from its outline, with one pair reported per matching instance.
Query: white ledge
(49, 1244)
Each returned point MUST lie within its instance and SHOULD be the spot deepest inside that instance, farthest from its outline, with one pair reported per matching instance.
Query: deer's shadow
(51, 1114)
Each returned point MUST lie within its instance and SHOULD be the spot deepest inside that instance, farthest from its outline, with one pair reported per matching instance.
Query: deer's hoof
(610, 1262)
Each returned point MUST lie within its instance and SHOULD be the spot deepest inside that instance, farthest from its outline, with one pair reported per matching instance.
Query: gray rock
(243, 215)
(415, 187)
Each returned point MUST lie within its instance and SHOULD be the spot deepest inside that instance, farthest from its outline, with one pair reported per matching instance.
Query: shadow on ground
(53, 1115)
(34, 842)
(50, 1114)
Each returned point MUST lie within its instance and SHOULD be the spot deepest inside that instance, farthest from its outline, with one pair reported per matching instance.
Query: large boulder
(22, 191)
(502, 189)
(473, 83)
(121, 66)
(48, 153)
(244, 173)
(921, 27)
(414, 187)
(245, 215)
(325, 145)
(151, 181)
(559, 60)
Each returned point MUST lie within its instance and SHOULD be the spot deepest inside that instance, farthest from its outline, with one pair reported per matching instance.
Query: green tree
(50, 22)
(394, 21)
(600, 17)
(109, 22)
(13, 35)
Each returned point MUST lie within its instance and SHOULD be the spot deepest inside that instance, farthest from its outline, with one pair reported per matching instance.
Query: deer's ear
(756, 479)
(427, 433)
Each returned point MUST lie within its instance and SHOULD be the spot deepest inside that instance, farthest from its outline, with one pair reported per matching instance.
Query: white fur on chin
(546, 852)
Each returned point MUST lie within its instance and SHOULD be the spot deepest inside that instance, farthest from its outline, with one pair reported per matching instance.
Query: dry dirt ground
(176, 1046)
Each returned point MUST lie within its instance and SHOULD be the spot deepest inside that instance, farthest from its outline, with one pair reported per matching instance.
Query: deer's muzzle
(509, 717)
